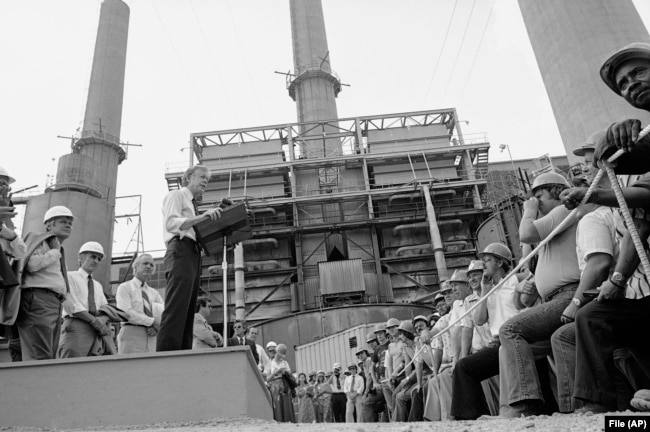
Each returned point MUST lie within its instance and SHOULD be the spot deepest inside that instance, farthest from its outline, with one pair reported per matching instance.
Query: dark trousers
(39, 323)
(601, 327)
(182, 272)
(338, 407)
(468, 400)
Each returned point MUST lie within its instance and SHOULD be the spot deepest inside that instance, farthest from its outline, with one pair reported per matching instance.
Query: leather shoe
(594, 408)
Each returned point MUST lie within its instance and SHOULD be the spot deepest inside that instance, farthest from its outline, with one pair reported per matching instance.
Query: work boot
(524, 408)
(595, 408)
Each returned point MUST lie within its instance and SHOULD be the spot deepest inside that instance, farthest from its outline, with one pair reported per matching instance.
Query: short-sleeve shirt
(557, 265)
(481, 336)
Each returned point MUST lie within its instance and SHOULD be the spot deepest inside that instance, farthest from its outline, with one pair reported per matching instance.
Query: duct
(419, 225)
(409, 196)
(260, 265)
(262, 241)
(421, 248)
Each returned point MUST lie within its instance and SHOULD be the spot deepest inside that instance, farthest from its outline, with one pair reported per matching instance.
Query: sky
(208, 65)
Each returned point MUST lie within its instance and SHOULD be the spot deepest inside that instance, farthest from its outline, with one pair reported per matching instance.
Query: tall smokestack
(86, 179)
(584, 34)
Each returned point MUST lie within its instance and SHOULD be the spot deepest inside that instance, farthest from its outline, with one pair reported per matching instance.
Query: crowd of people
(560, 335)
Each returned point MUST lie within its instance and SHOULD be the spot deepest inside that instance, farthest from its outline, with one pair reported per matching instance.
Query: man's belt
(60, 297)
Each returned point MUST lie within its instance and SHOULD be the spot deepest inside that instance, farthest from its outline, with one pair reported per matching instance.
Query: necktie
(338, 383)
(92, 306)
(146, 303)
(241, 341)
(352, 386)
(64, 271)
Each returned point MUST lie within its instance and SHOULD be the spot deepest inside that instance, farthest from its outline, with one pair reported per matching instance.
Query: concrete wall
(133, 389)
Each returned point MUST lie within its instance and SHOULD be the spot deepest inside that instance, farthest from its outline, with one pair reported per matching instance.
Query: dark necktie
(338, 383)
(146, 303)
(352, 386)
(92, 306)
(64, 270)
(241, 341)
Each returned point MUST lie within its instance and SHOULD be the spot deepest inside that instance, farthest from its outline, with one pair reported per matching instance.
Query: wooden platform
(133, 389)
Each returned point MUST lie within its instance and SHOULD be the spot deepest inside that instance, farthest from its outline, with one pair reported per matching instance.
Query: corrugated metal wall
(322, 354)
(341, 276)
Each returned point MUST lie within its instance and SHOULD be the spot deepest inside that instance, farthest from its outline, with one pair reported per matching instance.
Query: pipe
(413, 226)
(420, 247)
(264, 210)
(436, 240)
(240, 284)
(452, 246)
(409, 196)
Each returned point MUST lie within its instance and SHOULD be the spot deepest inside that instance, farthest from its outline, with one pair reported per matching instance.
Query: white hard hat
(4, 173)
(549, 179)
(271, 344)
(92, 246)
(475, 265)
(336, 366)
(57, 211)
(499, 250)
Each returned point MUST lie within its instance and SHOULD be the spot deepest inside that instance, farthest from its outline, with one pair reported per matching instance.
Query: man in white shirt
(182, 259)
(144, 306)
(81, 326)
(353, 389)
(251, 334)
(338, 401)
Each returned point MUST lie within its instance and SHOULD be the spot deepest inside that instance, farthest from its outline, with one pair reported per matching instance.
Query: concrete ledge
(133, 389)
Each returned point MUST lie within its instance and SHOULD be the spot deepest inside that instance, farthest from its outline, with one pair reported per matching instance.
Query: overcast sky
(205, 65)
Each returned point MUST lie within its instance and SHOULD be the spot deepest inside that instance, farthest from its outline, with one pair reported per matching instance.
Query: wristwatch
(576, 301)
(618, 279)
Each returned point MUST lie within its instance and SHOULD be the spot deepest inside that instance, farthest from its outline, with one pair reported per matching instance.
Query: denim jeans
(531, 325)
(563, 342)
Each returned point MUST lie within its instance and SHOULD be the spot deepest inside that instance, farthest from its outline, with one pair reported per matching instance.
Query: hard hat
(636, 50)
(434, 317)
(92, 246)
(311, 374)
(499, 250)
(371, 337)
(438, 297)
(445, 286)
(420, 318)
(459, 276)
(590, 143)
(362, 350)
(320, 372)
(336, 366)
(475, 265)
(407, 326)
(380, 327)
(57, 211)
(392, 322)
(271, 344)
(547, 179)
(4, 173)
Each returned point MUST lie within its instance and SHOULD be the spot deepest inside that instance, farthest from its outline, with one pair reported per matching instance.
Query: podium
(231, 228)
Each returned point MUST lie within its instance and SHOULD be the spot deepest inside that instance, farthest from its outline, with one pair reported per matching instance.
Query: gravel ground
(555, 423)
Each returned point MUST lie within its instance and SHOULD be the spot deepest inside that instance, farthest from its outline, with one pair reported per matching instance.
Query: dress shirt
(443, 342)
(129, 299)
(336, 389)
(500, 306)
(77, 299)
(358, 384)
(43, 270)
(177, 208)
(394, 360)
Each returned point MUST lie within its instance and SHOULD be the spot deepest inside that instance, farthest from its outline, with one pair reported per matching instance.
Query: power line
(462, 42)
(444, 42)
(180, 60)
(471, 68)
(214, 62)
(248, 72)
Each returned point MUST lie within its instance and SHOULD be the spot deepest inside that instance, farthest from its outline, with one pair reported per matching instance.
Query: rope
(565, 222)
